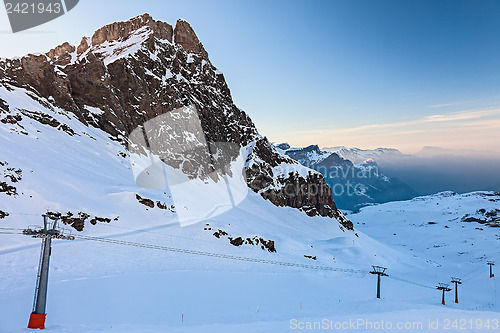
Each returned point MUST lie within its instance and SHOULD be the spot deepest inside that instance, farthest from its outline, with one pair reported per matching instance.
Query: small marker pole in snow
(456, 281)
(444, 287)
(379, 271)
(257, 308)
(491, 264)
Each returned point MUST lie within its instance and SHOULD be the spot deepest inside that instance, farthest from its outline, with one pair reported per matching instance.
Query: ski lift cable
(256, 250)
(410, 282)
(138, 230)
(161, 234)
(26, 214)
(14, 231)
(220, 255)
(474, 275)
(473, 271)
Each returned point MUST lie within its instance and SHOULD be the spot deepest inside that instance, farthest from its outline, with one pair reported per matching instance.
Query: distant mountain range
(357, 155)
(354, 185)
(433, 169)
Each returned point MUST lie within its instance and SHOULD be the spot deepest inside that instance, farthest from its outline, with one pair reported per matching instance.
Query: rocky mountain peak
(60, 50)
(283, 146)
(114, 32)
(123, 29)
(312, 148)
(184, 35)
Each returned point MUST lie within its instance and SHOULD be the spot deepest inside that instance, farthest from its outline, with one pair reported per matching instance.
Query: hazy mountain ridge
(434, 169)
(353, 185)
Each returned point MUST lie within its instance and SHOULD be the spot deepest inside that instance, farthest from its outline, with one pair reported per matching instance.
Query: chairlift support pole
(444, 287)
(38, 314)
(491, 264)
(379, 271)
(456, 281)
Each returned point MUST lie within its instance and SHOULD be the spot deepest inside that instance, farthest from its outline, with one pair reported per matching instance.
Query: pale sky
(385, 73)
(470, 129)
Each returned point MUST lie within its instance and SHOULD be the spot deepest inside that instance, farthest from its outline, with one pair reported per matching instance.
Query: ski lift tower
(491, 264)
(379, 271)
(49, 231)
(456, 281)
(444, 287)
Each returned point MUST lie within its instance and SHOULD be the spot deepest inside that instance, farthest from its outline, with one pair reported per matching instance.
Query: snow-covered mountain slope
(353, 185)
(98, 286)
(102, 287)
(458, 229)
(67, 167)
(107, 288)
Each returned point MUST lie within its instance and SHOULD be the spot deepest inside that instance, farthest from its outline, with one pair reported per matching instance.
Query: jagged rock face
(184, 35)
(136, 70)
(63, 50)
(120, 30)
(309, 193)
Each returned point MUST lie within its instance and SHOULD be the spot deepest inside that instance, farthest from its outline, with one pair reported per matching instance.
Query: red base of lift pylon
(443, 303)
(37, 321)
(492, 275)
